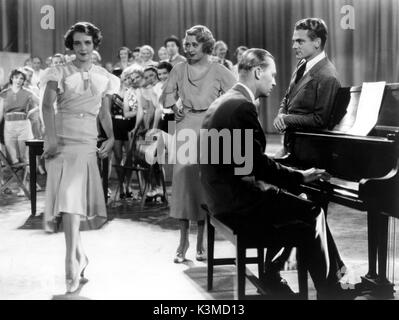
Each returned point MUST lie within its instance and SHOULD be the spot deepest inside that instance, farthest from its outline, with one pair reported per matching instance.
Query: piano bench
(243, 241)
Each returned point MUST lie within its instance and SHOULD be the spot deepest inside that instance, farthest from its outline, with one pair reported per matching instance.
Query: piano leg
(32, 180)
(372, 228)
(382, 255)
(378, 284)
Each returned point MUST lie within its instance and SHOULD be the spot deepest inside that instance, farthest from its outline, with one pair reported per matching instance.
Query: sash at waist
(76, 115)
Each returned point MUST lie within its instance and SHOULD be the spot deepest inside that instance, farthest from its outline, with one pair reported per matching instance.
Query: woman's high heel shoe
(72, 284)
(181, 255)
(201, 255)
(83, 267)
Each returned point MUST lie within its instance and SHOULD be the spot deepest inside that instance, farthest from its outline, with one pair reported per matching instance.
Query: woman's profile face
(221, 51)
(136, 80)
(127, 82)
(193, 49)
(239, 55)
(150, 77)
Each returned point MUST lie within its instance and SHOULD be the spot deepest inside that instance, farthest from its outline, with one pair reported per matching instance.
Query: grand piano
(364, 172)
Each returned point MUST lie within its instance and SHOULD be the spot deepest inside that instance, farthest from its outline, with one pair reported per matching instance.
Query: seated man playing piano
(310, 96)
(258, 200)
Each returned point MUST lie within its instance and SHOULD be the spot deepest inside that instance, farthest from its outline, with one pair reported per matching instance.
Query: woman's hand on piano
(314, 174)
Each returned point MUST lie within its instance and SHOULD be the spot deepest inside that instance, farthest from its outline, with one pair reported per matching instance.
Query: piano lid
(344, 111)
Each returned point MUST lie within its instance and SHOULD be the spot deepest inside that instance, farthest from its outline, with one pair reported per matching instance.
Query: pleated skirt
(74, 184)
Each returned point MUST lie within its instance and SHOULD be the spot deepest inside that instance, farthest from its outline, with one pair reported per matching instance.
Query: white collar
(311, 63)
(251, 94)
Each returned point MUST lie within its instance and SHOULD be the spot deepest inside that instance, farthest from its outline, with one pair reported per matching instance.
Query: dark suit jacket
(227, 192)
(308, 103)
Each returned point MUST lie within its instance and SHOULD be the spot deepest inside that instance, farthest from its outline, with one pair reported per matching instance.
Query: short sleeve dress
(196, 94)
(73, 179)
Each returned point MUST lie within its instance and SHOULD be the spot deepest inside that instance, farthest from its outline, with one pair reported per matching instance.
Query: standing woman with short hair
(17, 106)
(124, 54)
(122, 125)
(146, 55)
(220, 52)
(197, 82)
(74, 189)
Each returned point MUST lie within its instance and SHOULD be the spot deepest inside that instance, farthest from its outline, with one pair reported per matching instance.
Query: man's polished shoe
(278, 287)
(281, 154)
(339, 293)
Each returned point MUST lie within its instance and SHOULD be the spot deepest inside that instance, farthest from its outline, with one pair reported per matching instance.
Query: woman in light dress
(74, 191)
(197, 82)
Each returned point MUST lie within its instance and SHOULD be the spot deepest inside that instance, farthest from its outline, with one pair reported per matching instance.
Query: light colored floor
(131, 257)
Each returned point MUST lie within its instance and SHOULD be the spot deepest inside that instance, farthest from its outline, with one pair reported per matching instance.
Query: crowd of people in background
(135, 110)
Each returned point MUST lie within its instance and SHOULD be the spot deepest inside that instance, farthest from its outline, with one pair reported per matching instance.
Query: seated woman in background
(135, 59)
(148, 103)
(35, 117)
(57, 59)
(123, 122)
(163, 54)
(239, 52)
(96, 58)
(220, 51)
(162, 115)
(124, 54)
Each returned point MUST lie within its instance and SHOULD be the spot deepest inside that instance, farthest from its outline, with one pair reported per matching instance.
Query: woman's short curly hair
(129, 52)
(203, 35)
(16, 72)
(86, 28)
(148, 48)
(127, 72)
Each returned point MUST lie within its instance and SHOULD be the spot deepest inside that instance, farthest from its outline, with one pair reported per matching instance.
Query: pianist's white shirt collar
(251, 94)
(311, 63)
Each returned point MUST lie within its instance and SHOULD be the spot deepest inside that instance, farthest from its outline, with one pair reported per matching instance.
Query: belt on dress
(196, 110)
(118, 116)
(15, 116)
(78, 115)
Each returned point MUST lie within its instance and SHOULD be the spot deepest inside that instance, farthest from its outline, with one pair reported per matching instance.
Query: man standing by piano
(309, 99)
(259, 200)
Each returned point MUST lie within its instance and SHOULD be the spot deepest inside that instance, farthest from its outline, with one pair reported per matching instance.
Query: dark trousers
(289, 221)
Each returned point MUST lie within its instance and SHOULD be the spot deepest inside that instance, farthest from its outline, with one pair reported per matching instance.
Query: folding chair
(125, 168)
(150, 147)
(14, 169)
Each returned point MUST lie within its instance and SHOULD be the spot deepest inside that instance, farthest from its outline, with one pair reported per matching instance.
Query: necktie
(300, 71)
